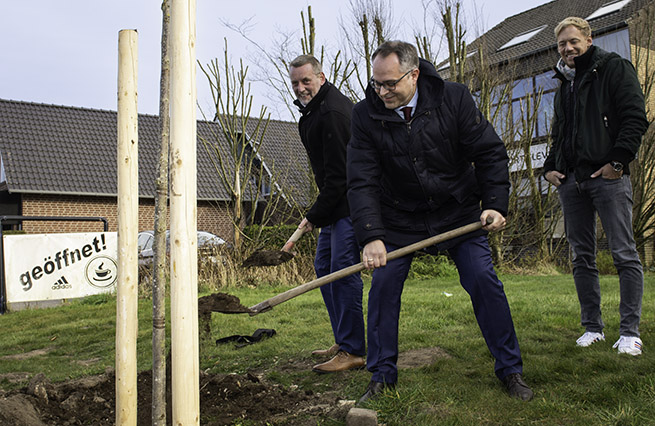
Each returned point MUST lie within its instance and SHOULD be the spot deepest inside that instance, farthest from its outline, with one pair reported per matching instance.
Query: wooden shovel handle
(293, 238)
(326, 279)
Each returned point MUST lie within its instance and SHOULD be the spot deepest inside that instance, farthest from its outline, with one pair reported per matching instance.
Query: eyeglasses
(388, 85)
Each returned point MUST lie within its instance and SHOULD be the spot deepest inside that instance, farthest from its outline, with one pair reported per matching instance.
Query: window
(546, 81)
(522, 88)
(522, 38)
(545, 118)
(618, 42)
(608, 8)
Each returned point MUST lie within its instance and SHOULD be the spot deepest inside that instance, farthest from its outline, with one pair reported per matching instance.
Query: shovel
(274, 257)
(268, 304)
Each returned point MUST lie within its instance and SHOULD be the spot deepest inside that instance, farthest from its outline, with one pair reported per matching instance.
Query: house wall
(212, 216)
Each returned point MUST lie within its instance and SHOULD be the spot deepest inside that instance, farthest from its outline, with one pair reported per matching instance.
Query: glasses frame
(389, 85)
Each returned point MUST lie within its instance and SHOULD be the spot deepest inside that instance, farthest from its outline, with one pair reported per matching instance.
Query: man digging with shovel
(325, 130)
(423, 159)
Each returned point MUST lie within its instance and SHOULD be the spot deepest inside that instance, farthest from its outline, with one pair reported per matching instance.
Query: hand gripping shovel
(274, 257)
(268, 304)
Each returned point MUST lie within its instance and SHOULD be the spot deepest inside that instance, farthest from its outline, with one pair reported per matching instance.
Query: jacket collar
(316, 100)
(592, 59)
(430, 95)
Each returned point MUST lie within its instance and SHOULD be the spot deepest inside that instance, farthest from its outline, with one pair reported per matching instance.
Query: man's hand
(554, 177)
(374, 255)
(304, 223)
(607, 172)
(497, 220)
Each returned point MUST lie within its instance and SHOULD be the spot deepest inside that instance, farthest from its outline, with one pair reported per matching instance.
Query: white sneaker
(629, 345)
(589, 338)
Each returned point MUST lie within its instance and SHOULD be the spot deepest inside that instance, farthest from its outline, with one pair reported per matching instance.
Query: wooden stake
(128, 218)
(183, 195)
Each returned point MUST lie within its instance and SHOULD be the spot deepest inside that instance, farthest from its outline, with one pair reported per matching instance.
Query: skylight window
(523, 37)
(608, 8)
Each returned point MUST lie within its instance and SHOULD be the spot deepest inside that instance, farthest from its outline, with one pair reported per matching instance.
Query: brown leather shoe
(342, 361)
(330, 352)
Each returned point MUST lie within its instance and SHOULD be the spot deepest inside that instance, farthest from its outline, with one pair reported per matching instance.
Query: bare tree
(159, 261)
(368, 24)
(245, 164)
(643, 169)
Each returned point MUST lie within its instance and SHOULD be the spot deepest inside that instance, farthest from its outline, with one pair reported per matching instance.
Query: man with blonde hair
(597, 128)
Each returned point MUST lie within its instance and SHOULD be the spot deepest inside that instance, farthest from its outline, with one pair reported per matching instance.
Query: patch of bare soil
(416, 358)
(224, 399)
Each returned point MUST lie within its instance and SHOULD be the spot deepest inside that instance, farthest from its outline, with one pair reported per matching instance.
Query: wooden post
(183, 238)
(128, 219)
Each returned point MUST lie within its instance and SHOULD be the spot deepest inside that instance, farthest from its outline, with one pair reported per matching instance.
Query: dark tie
(407, 112)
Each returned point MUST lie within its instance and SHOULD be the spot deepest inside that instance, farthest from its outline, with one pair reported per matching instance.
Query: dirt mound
(224, 399)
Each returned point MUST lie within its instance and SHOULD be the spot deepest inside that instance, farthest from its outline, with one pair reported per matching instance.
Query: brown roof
(541, 48)
(68, 150)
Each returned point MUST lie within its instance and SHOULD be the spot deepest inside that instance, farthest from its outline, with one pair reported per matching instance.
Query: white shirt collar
(412, 103)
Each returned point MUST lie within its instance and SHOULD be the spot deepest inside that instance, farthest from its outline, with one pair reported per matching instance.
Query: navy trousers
(337, 249)
(473, 260)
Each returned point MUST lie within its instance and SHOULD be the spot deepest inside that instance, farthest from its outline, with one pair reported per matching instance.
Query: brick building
(61, 161)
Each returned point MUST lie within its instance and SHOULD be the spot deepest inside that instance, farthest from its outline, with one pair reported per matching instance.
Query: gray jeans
(612, 199)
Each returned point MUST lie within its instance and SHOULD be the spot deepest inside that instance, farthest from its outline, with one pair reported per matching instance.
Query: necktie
(407, 112)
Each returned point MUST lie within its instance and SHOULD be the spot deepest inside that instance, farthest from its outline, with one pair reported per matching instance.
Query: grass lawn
(573, 386)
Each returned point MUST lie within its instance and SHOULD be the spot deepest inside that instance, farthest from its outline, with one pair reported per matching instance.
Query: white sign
(42, 267)
(538, 154)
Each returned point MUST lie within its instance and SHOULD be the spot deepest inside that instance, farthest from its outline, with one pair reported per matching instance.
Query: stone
(361, 417)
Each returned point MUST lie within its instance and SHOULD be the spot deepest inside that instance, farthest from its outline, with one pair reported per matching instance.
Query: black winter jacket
(409, 181)
(609, 115)
(324, 131)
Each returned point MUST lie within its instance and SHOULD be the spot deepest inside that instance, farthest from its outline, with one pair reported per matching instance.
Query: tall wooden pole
(128, 218)
(184, 242)
(161, 224)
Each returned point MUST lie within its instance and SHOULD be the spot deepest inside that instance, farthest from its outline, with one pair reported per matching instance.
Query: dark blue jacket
(324, 131)
(409, 181)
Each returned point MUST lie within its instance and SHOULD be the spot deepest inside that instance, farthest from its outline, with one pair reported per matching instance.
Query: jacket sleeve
(335, 135)
(486, 151)
(628, 104)
(549, 162)
(364, 172)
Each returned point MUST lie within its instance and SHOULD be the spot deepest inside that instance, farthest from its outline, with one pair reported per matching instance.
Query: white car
(146, 240)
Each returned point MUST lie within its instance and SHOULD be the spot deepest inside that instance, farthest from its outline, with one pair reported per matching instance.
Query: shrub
(605, 263)
(427, 266)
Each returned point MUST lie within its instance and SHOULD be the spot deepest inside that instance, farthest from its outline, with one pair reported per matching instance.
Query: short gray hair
(303, 60)
(406, 52)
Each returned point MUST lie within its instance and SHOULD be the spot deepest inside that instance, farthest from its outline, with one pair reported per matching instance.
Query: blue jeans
(476, 273)
(612, 200)
(337, 249)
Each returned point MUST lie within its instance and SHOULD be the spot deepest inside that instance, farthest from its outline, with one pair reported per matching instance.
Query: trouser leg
(473, 260)
(347, 292)
(322, 265)
(383, 314)
(613, 201)
(580, 226)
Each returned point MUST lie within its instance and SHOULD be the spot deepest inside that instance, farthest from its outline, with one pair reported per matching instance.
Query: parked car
(207, 243)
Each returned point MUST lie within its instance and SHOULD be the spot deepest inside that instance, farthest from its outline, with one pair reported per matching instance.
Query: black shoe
(517, 388)
(374, 390)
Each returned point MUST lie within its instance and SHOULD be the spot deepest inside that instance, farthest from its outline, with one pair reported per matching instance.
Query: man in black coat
(423, 160)
(325, 130)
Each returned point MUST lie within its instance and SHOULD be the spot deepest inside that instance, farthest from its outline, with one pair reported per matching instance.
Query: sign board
(538, 154)
(41, 267)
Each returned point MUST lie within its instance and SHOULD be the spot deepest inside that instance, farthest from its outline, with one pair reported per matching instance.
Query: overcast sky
(66, 52)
